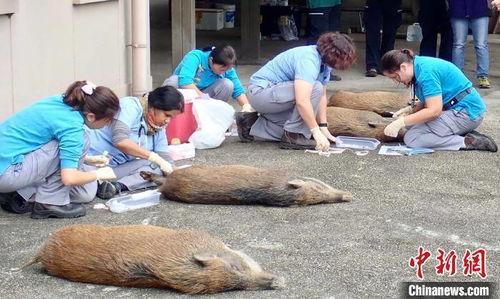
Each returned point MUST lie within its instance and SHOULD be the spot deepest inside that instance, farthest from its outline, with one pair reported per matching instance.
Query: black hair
(224, 55)
(166, 98)
(392, 60)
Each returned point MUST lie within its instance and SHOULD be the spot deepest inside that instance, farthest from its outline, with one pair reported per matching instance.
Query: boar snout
(265, 281)
(277, 283)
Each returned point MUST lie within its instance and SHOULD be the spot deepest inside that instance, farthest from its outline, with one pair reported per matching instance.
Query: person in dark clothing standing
(324, 16)
(473, 15)
(434, 19)
(385, 15)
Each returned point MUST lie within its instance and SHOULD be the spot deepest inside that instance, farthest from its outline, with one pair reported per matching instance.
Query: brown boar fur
(150, 256)
(380, 102)
(359, 123)
(239, 184)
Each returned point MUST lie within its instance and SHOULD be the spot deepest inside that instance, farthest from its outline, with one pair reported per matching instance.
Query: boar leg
(149, 176)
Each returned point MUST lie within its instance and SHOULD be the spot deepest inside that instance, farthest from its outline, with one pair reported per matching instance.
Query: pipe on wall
(140, 47)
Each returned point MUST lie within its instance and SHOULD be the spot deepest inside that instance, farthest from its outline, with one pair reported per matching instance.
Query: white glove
(322, 143)
(403, 112)
(393, 128)
(105, 173)
(247, 108)
(97, 161)
(327, 134)
(496, 3)
(164, 165)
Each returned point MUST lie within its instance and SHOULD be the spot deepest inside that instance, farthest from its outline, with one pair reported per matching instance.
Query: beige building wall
(47, 44)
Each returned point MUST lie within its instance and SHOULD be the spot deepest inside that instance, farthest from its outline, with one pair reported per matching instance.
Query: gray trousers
(277, 110)
(221, 89)
(442, 133)
(38, 178)
(128, 173)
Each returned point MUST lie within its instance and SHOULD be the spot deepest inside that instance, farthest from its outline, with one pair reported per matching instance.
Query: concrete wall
(47, 44)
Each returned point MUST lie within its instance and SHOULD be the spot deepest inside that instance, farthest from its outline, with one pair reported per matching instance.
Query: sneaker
(371, 72)
(480, 142)
(14, 203)
(71, 210)
(106, 190)
(483, 82)
(296, 141)
(335, 77)
(245, 121)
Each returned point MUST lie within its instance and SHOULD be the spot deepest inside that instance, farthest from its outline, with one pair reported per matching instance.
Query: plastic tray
(133, 201)
(357, 142)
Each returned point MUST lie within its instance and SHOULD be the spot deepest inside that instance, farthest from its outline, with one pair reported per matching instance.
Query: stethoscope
(142, 132)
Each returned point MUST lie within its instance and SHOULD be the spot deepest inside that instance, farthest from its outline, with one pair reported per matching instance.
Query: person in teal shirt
(136, 140)
(448, 109)
(211, 71)
(44, 149)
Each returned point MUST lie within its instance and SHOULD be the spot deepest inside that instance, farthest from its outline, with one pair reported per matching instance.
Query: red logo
(475, 262)
(472, 262)
(419, 261)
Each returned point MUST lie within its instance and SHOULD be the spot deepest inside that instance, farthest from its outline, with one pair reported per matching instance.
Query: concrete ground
(447, 200)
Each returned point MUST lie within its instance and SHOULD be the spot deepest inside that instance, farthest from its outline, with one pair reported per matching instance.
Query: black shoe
(14, 203)
(106, 190)
(245, 121)
(477, 141)
(71, 210)
(296, 141)
(371, 72)
(335, 77)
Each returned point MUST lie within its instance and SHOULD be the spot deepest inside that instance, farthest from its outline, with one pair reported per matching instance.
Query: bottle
(134, 201)
(414, 33)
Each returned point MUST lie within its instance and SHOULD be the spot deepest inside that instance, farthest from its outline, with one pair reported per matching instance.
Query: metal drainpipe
(140, 47)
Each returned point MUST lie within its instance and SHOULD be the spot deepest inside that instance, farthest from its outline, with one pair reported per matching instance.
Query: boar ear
(204, 259)
(296, 183)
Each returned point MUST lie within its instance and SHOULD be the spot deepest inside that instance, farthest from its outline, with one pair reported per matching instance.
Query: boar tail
(26, 265)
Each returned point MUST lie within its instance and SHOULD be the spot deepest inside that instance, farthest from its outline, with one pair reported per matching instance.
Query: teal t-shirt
(302, 63)
(195, 69)
(322, 3)
(33, 127)
(435, 77)
(130, 114)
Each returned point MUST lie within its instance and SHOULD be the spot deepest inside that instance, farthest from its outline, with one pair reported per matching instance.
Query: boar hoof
(146, 175)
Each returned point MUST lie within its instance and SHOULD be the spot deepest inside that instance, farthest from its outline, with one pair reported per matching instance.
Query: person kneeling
(44, 146)
(136, 140)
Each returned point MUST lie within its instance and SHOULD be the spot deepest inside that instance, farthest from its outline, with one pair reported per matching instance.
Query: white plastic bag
(288, 29)
(414, 33)
(214, 117)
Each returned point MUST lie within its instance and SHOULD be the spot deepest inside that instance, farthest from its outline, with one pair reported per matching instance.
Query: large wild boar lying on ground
(359, 123)
(238, 184)
(380, 102)
(150, 256)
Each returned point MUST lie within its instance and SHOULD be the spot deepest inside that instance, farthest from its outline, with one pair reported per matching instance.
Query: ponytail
(84, 96)
(392, 60)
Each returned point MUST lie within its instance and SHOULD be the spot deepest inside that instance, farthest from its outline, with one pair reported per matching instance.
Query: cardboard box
(209, 19)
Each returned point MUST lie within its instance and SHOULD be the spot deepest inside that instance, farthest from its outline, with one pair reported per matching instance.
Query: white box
(181, 151)
(209, 19)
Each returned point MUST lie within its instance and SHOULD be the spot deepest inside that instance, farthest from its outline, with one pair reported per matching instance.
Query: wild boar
(359, 123)
(149, 256)
(239, 184)
(381, 102)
